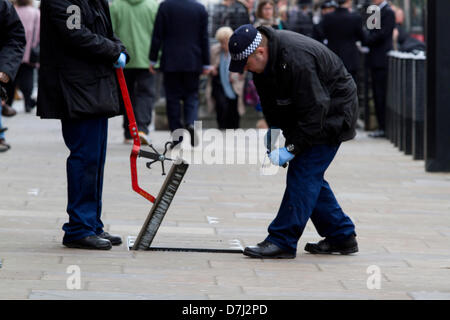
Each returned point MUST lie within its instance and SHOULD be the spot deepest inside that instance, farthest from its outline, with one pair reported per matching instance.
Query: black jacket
(181, 31)
(380, 41)
(342, 29)
(12, 39)
(306, 91)
(76, 77)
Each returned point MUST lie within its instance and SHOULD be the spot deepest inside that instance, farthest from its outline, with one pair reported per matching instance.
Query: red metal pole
(134, 134)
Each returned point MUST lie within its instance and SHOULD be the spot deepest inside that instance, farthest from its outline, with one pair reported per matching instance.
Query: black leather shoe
(115, 240)
(267, 250)
(90, 242)
(325, 246)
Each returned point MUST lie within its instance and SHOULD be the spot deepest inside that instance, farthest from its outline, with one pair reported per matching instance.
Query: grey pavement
(402, 215)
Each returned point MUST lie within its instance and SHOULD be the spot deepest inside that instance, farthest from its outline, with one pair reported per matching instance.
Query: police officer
(12, 48)
(305, 91)
(343, 29)
(380, 42)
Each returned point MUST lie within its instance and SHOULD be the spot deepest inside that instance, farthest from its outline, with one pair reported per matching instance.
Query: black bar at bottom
(195, 250)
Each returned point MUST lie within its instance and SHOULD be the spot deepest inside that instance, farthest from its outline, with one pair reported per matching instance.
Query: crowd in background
(335, 23)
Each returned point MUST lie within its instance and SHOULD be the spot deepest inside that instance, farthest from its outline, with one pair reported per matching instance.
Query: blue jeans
(308, 195)
(86, 140)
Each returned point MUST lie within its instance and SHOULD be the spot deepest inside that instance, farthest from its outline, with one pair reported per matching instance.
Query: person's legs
(86, 140)
(221, 104)
(3, 145)
(232, 114)
(103, 140)
(190, 84)
(25, 84)
(329, 219)
(7, 109)
(144, 98)
(173, 90)
(379, 87)
(304, 183)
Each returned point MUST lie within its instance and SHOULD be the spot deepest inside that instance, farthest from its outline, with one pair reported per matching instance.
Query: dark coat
(343, 29)
(181, 31)
(76, 77)
(301, 22)
(380, 40)
(12, 39)
(306, 91)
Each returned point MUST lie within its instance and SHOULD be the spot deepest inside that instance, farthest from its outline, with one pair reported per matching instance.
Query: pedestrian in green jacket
(133, 22)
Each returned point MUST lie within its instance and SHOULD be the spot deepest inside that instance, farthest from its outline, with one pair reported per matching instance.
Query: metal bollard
(389, 95)
(418, 106)
(398, 100)
(407, 103)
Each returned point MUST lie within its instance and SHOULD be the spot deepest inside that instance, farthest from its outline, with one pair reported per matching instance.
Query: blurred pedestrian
(30, 17)
(327, 6)
(379, 40)
(306, 92)
(300, 20)
(133, 22)
(78, 85)
(343, 28)
(227, 88)
(230, 13)
(181, 32)
(402, 39)
(266, 15)
(12, 48)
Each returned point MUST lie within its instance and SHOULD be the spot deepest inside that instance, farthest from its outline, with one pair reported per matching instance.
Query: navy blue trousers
(308, 195)
(181, 86)
(86, 140)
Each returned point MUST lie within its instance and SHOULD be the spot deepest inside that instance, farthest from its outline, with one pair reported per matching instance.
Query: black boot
(346, 246)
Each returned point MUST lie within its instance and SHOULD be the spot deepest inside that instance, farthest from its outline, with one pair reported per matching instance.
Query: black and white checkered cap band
(250, 49)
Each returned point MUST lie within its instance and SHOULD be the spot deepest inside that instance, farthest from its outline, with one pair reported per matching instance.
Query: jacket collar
(270, 33)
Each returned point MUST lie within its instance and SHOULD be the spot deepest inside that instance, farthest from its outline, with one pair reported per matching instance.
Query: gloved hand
(121, 62)
(281, 156)
(270, 137)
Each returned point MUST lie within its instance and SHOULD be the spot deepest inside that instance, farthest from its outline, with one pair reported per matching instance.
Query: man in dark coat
(301, 20)
(12, 48)
(343, 29)
(77, 85)
(181, 31)
(380, 43)
(305, 91)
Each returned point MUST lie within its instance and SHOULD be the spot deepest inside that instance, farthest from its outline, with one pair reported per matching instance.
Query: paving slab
(402, 216)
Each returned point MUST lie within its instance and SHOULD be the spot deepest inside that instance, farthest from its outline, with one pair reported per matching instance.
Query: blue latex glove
(121, 62)
(280, 157)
